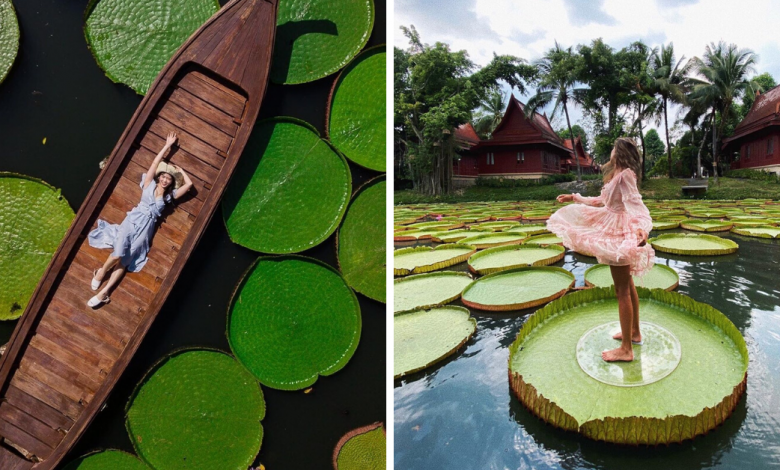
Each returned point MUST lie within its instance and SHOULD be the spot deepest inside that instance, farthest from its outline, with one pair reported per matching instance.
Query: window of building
(770, 146)
(747, 151)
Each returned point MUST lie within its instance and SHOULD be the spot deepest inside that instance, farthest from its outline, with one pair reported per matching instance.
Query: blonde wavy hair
(626, 156)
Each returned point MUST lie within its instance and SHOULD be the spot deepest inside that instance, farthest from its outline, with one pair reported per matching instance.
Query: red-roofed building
(587, 166)
(755, 143)
(518, 148)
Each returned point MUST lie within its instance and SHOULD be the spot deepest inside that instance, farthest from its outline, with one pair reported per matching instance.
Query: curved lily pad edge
(355, 432)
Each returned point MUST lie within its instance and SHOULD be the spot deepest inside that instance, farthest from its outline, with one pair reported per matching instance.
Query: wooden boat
(64, 358)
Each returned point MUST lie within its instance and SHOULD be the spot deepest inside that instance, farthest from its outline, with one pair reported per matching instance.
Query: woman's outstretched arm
(153, 167)
(182, 190)
(591, 201)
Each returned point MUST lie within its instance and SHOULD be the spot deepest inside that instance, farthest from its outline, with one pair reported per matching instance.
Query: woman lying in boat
(131, 239)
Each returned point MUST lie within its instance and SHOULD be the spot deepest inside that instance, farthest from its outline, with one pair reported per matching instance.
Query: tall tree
(725, 70)
(491, 109)
(436, 91)
(558, 83)
(635, 78)
(654, 146)
(766, 82)
(670, 82)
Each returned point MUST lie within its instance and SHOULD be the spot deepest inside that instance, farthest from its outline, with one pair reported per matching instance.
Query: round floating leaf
(519, 288)
(315, 38)
(132, 40)
(545, 239)
(530, 229)
(107, 460)
(665, 224)
(291, 320)
(659, 276)
(361, 241)
(693, 244)
(488, 240)
(9, 37)
(514, 256)
(197, 409)
(455, 235)
(425, 337)
(697, 396)
(428, 290)
(706, 225)
(764, 231)
(290, 190)
(33, 219)
(707, 213)
(423, 259)
(356, 123)
(362, 449)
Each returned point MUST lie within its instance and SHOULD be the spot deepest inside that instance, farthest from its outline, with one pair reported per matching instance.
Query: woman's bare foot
(636, 337)
(618, 354)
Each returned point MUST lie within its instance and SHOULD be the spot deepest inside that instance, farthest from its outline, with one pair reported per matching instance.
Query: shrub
(747, 173)
(492, 182)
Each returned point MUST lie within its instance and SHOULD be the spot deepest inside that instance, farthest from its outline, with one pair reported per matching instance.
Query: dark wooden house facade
(755, 143)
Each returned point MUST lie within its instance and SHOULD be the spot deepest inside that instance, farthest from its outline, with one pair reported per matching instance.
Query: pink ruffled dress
(606, 226)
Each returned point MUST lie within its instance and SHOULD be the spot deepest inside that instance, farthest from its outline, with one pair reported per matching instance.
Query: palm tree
(557, 83)
(639, 86)
(669, 82)
(492, 106)
(725, 70)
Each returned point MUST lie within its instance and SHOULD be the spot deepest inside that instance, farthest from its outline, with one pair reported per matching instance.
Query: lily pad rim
(522, 246)
(601, 266)
(18, 42)
(355, 432)
(100, 451)
(525, 305)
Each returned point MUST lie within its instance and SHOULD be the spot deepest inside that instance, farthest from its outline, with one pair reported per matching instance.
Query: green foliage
(578, 131)
(654, 147)
(490, 112)
(107, 460)
(436, 90)
(759, 175)
(491, 182)
(766, 82)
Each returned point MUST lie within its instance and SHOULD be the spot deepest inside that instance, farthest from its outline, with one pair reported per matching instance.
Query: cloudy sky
(528, 28)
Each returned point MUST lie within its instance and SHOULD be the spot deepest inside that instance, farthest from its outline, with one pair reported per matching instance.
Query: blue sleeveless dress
(131, 239)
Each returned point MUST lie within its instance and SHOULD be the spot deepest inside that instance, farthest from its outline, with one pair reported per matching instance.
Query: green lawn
(661, 188)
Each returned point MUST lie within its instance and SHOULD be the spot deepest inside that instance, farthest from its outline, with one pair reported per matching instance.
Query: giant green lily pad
(425, 337)
(197, 409)
(706, 225)
(665, 224)
(488, 240)
(315, 38)
(9, 37)
(362, 449)
(706, 214)
(132, 40)
(764, 231)
(502, 258)
(361, 241)
(693, 244)
(545, 239)
(290, 189)
(356, 120)
(659, 277)
(423, 259)
(519, 288)
(530, 229)
(428, 290)
(696, 396)
(291, 320)
(33, 219)
(107, 460)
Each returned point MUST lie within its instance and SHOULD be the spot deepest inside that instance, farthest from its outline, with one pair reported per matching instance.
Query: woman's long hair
(626, 156)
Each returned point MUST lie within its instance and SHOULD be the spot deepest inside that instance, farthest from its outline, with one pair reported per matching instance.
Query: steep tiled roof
(466, 133)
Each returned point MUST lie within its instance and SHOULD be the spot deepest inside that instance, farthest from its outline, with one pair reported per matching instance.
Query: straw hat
(172, 170)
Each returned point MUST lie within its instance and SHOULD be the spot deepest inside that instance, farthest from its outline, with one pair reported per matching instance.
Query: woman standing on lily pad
(130, 240)
(614, 228)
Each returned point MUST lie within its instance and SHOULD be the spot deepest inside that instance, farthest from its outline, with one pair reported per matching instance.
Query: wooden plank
(195, 126)
(194, 155)
(52, 378)
(10, 461)
(97, 331)
(72, 292)
(62, 369)
(32, 426)
(205, 111)
(156, 267)
(72, 358)
(83, 338)
(25, 383)
(24, 440)
(40, 410)
(141, 284)
(218, 96)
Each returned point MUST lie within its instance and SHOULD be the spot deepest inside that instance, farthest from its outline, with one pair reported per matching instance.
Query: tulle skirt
(604, 233)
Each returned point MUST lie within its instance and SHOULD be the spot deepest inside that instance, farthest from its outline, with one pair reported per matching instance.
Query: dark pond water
(462, 414)
(56, 90)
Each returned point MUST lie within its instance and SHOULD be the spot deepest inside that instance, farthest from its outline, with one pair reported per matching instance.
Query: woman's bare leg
(111, 261)
(636, 334)
(112, 281)
(622, 277)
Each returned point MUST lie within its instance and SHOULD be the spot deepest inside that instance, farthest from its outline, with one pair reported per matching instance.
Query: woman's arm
(182, 190)
(591, 201)
(153, 168)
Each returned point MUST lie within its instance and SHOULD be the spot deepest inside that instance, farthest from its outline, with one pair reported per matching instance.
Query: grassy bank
(661, 188)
